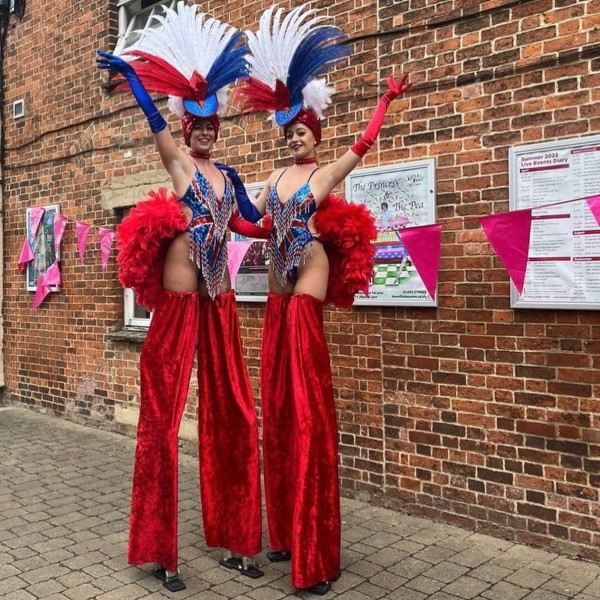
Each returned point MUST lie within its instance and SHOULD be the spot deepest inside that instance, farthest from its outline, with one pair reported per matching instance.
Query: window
(135, 315)
(135, 15)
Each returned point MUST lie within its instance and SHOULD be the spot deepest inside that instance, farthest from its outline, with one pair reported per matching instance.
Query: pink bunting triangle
(509, 234)
(35, 217)
(26, 255)
(106, 240)
(594, 203)
(82, 230)
(235, 255)
(52, 276)
(41, 292)
(60, 223)
(423, 244)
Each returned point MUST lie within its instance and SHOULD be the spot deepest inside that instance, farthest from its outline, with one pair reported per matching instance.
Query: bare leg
(181, 273)
(313, 272)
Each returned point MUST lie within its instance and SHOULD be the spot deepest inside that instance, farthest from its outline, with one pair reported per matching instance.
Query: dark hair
(384, 204)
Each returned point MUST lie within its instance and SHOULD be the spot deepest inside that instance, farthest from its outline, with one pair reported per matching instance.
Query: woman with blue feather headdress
(320, 251)
(173, 252)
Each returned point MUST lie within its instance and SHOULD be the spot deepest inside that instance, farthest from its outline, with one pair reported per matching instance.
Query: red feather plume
(143, 238)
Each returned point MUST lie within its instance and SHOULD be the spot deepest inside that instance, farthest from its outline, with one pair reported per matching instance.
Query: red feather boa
(143, 238)
(346, 231)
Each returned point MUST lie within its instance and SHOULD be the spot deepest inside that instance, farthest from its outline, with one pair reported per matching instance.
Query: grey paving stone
(593, 589)
(467, 587)
(424, 584)
(19, 595)
(528, 578)
(372, 591)
(505, 591)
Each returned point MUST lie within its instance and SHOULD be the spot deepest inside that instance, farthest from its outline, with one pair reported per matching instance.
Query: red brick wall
(472, 412)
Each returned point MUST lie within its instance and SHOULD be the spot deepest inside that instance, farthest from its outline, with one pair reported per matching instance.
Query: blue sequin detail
(210, 216)
(290, 233)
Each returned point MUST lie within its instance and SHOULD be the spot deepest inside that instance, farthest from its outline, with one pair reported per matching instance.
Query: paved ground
(64, 497)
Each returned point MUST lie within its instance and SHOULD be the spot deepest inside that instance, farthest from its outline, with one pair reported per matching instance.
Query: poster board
(563, 266)
(252, 281)
(398, 196)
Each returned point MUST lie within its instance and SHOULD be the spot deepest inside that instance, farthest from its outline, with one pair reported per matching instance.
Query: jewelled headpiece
(192, 57)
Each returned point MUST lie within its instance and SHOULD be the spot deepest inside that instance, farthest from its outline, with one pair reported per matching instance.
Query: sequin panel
(290, 230)
(210, 216)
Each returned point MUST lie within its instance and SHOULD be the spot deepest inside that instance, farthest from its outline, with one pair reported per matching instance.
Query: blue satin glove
(246, 206)
(106, 60)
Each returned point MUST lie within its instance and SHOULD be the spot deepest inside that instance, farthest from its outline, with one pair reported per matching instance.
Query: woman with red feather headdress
(173, 252)
(320, 252)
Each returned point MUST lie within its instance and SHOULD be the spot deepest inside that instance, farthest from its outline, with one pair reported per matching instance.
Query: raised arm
(170, 154)
(328, 177)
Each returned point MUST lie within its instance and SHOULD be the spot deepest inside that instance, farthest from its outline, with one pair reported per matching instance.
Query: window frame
(128, 10)
(130, 321)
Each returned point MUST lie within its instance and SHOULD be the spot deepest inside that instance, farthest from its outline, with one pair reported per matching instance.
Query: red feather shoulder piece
(346, 231)
(143, 238)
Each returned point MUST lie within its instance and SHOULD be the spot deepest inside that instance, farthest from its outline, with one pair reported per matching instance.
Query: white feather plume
(317, 95)
(274, 44)
(188, 40)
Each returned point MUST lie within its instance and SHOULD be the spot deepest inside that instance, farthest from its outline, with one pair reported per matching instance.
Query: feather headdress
(192, 57)
(287, 54)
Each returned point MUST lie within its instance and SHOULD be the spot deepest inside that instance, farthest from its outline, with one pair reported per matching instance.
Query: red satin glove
(247, 229)
(395, 89)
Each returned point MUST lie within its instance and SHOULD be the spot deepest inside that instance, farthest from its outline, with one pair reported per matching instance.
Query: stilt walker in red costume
(319, 252)
(173, 253)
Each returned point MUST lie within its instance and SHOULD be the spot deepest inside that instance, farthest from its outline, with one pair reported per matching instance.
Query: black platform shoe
(244, 564)
(170, 579)
(321, 588)
(279, 555)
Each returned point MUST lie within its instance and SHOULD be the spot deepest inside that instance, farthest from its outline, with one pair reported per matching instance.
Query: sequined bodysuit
(208, 247)
(290, 233)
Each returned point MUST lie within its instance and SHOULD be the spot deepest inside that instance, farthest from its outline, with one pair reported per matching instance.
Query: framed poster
(398, 196)
(42, 245)
(563, 265)
(252, 280)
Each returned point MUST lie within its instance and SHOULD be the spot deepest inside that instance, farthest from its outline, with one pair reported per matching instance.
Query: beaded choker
(199, 155)
(305, 161)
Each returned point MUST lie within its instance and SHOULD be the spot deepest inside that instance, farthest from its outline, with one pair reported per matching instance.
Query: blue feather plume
(319, 51)
(229, 66)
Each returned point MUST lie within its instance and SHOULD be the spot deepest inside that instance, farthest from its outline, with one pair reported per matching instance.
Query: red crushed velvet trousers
(300, 435)
(227, 430)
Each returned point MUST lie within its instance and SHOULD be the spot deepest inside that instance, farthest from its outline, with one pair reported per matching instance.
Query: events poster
(42, 245)
(563, 267)
(398, 196)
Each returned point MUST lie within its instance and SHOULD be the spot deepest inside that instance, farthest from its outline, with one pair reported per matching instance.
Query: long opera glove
(165, 369)
(227, 432)
(367, 139)
(278, 423)
(316, 518)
